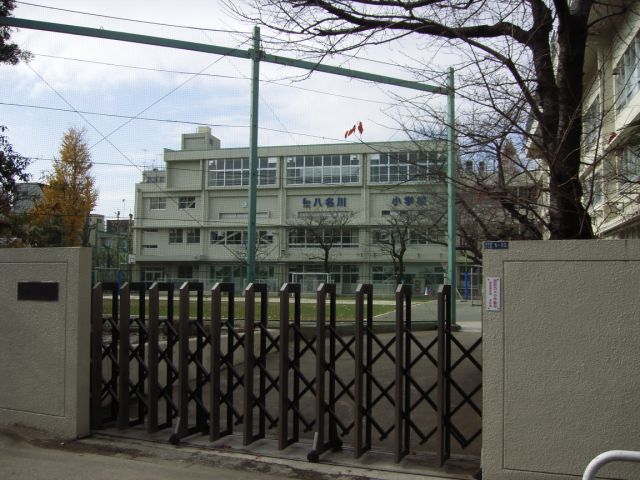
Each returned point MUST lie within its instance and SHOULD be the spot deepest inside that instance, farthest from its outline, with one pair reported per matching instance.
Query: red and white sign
(493, 294)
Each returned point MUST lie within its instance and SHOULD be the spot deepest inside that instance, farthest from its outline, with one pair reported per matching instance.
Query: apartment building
(191, 217)
(611, 124)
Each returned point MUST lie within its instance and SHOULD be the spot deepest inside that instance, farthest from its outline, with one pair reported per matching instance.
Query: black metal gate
(330, 384)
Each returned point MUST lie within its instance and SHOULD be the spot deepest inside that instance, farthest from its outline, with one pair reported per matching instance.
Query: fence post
(402, 354)
(249, 319)
(183, 367)
(123, 358)
(443, 447)
(214, 362)
(154, 320)
(283, 403)
(321, 314)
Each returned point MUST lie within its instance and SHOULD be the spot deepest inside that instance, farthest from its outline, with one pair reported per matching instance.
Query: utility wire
(151, 119)
(214, 75)
(186, 27)
(275, 39)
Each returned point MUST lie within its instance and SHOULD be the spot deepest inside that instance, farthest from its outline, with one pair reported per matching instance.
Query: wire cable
(151, 119)
(160, 24)
(216, 75)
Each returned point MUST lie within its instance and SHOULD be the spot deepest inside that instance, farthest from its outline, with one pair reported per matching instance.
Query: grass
(344, 312)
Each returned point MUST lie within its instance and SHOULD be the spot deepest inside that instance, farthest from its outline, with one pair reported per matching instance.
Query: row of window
(310, 238)
(224, 172)
(628, 73)
(628, 173)
(298, 237)
(160, 203)
(329, 169)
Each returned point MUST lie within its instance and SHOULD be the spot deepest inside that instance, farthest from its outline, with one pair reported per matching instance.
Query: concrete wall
(44, 345)
(561, 359)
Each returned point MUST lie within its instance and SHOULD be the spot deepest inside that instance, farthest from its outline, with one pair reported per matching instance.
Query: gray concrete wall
(44, 345)
(561, 359)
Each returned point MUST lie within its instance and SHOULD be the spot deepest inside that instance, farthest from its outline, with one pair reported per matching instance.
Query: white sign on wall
(493, 294)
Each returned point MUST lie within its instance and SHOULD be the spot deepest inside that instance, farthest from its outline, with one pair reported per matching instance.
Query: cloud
(287, 115)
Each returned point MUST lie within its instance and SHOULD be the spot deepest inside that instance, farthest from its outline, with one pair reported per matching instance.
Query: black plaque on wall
(38, 291)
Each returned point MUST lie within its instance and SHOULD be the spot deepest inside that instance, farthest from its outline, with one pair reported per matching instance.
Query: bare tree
(405, 228)
(264, 246)
(521, 65)
(324, 229)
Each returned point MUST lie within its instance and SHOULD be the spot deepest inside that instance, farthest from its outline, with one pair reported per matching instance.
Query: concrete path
(28, 454)
(469, 316)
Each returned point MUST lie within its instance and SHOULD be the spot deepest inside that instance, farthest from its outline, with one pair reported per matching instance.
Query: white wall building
(191, 218)
(611, 120)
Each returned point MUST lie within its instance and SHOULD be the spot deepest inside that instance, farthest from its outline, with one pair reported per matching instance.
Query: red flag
(360, 128)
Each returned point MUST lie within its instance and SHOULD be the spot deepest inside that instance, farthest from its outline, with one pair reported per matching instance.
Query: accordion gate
(326, 385)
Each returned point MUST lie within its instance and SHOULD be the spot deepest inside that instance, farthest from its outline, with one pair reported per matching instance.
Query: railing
(607, 457)
(331, 383)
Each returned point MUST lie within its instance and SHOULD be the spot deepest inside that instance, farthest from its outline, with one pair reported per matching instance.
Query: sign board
(493, 294)
(132, 259)
(500, 245)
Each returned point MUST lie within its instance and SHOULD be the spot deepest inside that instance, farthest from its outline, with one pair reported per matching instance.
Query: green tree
(520, 63)
(9, 52)
(69, 194)
(12, 164)
(12, 171)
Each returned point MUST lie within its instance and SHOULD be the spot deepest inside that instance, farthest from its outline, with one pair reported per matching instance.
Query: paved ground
(468, 316)
(28, 454)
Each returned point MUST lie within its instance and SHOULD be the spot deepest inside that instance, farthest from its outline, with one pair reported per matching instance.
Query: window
(186, 202)
(394, 236)
(156, 176)
(157, 203)
(175, 235)
(152, 274)
(339, 273)
(383, 273)
(226, 172)
(628, 165)
(323, 169)
(396, 167)
(239, 237)
(241, 215)
(185, 272)
(592, 123)
(193, 235)
(627, 73)
(340, 238)
(226, 273)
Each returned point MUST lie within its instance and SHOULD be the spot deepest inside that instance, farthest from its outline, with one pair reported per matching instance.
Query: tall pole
(253, 156)
(451, 192)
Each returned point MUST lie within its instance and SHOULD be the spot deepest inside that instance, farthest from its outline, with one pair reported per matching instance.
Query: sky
(135, 100)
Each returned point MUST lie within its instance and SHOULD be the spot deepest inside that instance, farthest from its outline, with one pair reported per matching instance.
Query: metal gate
(326, 385)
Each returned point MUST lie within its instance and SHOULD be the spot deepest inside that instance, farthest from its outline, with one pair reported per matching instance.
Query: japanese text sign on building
(409, 200)
(501, 245)
(493, 294)
(329, 202)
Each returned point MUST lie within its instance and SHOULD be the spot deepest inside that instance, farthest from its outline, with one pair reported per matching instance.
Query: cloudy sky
(135, 100)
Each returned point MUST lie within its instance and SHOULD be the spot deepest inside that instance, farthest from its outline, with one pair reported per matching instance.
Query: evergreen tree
(70, 193)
